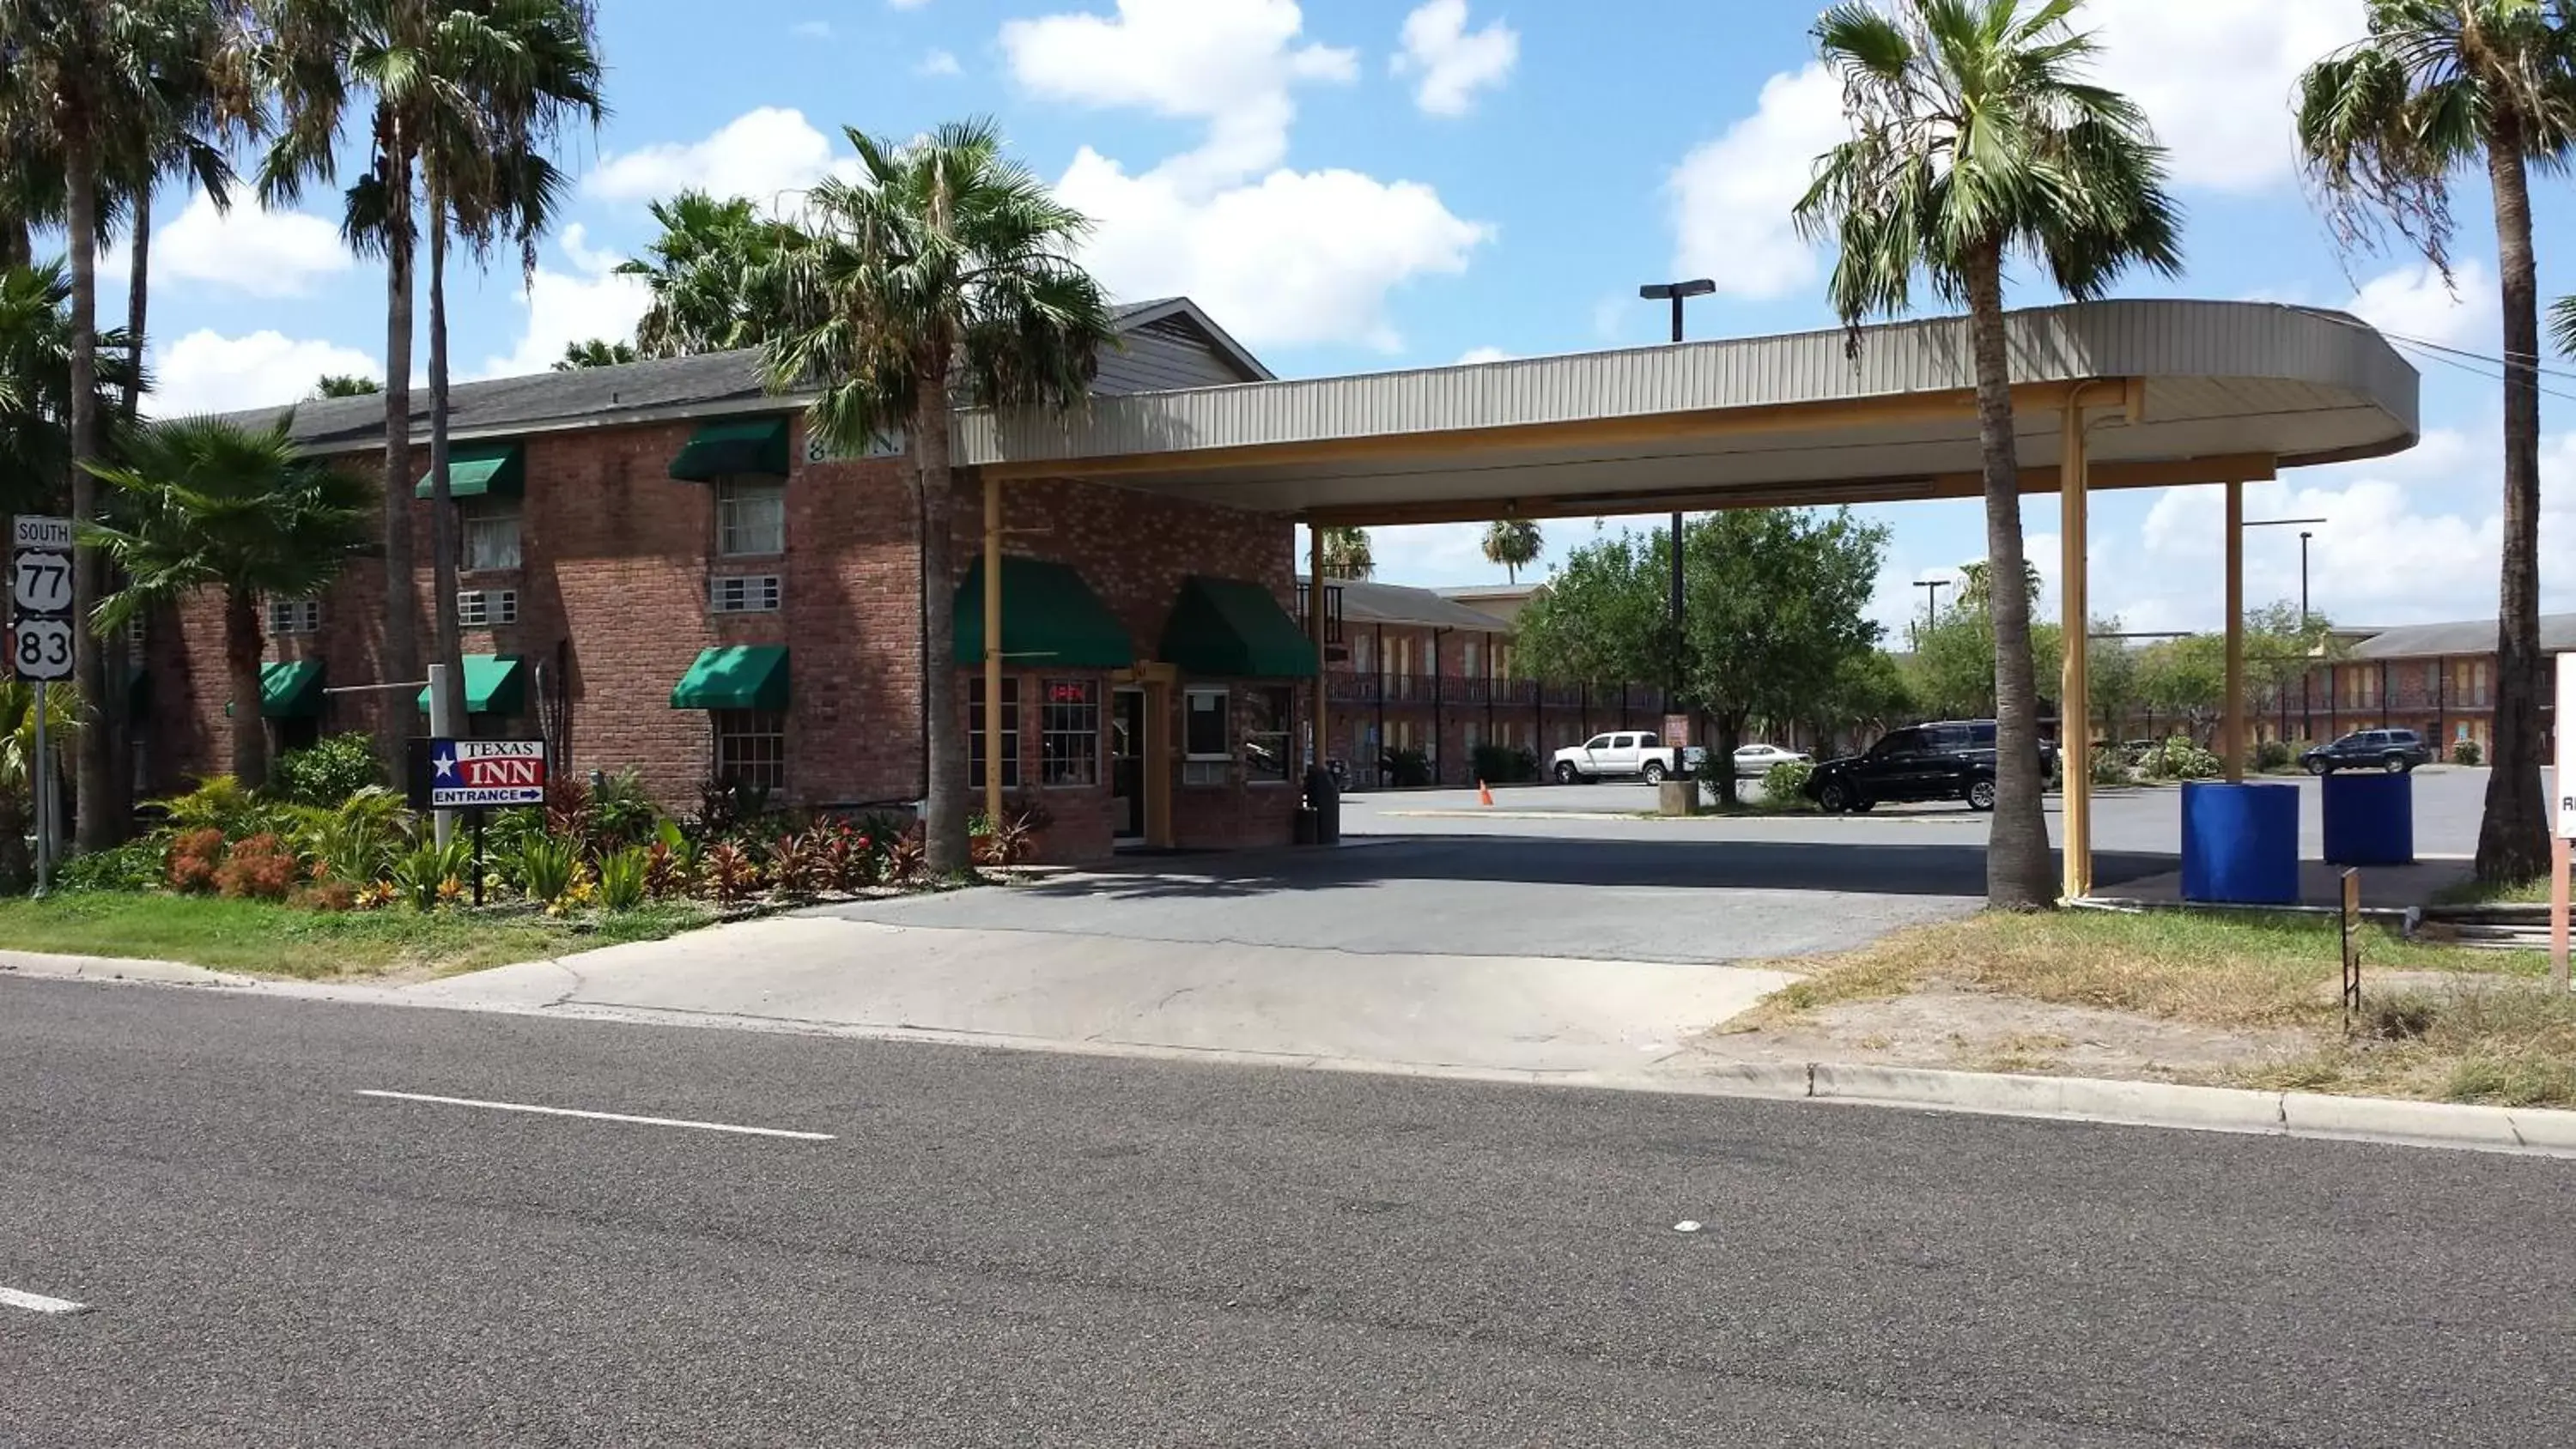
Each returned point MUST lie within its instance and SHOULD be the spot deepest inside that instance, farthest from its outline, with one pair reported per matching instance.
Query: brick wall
(616, 559)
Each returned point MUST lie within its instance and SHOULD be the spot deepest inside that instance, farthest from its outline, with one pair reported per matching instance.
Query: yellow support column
(993, 648)
(1315, 616)
(2233, 738)
(2074, 700)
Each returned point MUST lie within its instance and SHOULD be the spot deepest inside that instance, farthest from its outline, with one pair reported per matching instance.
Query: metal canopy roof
(2176, 392)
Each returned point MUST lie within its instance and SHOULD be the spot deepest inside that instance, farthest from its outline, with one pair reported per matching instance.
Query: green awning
(1050, 619)
(483, 470)
(1230, 629)
(494, 684)
(291, 690)
(722, 450)
(743, 676)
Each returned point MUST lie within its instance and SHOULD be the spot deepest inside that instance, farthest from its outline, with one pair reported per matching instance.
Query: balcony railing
(1457, 691)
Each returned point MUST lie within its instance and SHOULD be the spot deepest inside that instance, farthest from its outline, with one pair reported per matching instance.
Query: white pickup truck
(1621, 753)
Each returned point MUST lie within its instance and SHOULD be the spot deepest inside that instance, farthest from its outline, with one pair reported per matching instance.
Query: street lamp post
(2307, 707)
(1931, 605)
(1679, 294)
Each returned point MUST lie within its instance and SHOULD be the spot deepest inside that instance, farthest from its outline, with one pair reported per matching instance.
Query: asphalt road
(1031, 1249)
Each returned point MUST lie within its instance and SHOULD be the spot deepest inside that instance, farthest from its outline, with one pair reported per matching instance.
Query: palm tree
(36, 384)
(19, 767)
(2440, 87)
(335, 385)
(463, 97)
(705, 272)
(1347, 554)
(87, 90)
(204, 503)
(945, 265)
(597, 352)
(1515, 543)
(1975, 138)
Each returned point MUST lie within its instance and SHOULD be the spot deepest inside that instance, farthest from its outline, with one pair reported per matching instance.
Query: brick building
(1431, 671)
(661, 572)
(2436, 679)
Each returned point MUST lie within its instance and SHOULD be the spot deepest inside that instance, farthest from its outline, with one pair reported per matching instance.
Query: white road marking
(603, 1116)
(38, 1302)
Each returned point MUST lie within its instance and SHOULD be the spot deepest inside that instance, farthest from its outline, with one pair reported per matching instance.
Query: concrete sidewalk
(1482, 1012)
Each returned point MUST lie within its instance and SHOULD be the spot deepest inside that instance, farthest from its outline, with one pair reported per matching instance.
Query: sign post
(477, 775)
(2351, 948)
(2563, 829)
(41, 646)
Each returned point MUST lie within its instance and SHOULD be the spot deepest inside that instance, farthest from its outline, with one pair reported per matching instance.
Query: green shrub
(2179, 759)
(357, 841)
(2466, 752)
(221, 804)
(2111, 767)
(425, 874)
(1786, 782)
(621, 814)
(546, 869)
(328, 772)
(621, 879)
(2274, 755)
(137, 865)
(1407, 769)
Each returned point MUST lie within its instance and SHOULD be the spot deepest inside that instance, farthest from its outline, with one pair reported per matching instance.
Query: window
(1597, 742)
(1010, 734)
(134, 631)
(1207, 754)
(1267, 737)
(287, 616)
(1474, 660)
(743, 594)
(1360, 653)
(483, 608)
(491, 534)
(1069, 732)
(751, 518)
(750, 748)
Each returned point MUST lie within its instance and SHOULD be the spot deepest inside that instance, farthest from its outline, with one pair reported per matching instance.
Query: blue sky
(1363, 184)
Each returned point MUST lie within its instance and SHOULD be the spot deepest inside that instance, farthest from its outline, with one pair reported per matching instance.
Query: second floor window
(491, 534)
(293, 616)
(751, 518)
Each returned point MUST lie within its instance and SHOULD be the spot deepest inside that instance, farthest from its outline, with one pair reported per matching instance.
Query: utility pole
(2307, 673)
(1679, 294)
(1931, 605)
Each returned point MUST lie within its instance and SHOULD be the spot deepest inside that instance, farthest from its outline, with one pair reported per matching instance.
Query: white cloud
(565, 308)
(1279, 256)
(1732, 197)
(206, 372)
(906, 4)
(1477, 355)
(262, 253)
(1296, 258)
(1453, 63)
(812, 29)
(939, 62)
(1232, 64)
(2414, 302)
(758, 155)
(2215, 77)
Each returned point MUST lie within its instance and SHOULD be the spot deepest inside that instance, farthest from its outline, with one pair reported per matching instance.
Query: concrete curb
(2523, 1131)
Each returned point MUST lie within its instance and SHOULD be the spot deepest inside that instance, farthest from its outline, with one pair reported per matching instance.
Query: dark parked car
(1950, 760)
(2396, 751)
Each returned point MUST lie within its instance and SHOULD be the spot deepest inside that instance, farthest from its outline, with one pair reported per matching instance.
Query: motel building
(661, 572)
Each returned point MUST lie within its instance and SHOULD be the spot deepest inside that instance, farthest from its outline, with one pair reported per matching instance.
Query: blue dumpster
(2240, 844)
(2370, 819)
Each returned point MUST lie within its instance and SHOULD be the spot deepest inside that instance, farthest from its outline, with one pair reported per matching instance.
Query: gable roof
(2462, 636)
(1364, 602)
(714, 384)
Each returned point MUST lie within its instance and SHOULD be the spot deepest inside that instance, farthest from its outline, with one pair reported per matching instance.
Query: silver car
(1753, 761)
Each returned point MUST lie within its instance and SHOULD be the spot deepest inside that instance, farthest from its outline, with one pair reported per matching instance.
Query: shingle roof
(2465, 636)
(1364, 602)
(712, 384)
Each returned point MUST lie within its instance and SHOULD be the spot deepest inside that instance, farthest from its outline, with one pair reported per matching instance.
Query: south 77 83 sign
(40, 598)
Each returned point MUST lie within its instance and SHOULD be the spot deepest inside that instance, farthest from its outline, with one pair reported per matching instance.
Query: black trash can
(1323, 806)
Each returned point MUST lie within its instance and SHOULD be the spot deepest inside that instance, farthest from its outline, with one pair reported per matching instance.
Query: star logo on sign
(446, 763)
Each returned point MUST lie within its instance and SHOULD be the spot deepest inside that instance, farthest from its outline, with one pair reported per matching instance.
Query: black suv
(2396, 751)
(1951, 760)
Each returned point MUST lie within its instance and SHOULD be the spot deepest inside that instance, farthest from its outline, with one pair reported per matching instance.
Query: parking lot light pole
(2307, 717)
(1679, 294)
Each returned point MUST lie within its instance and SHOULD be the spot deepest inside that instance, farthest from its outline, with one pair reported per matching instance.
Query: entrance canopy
(2172, 392)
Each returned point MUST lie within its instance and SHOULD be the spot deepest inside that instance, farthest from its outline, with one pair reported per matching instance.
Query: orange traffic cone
(1484, 795)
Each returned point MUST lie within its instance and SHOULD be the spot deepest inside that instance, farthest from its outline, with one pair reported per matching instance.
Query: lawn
(274, 940)
(2438, 1021)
